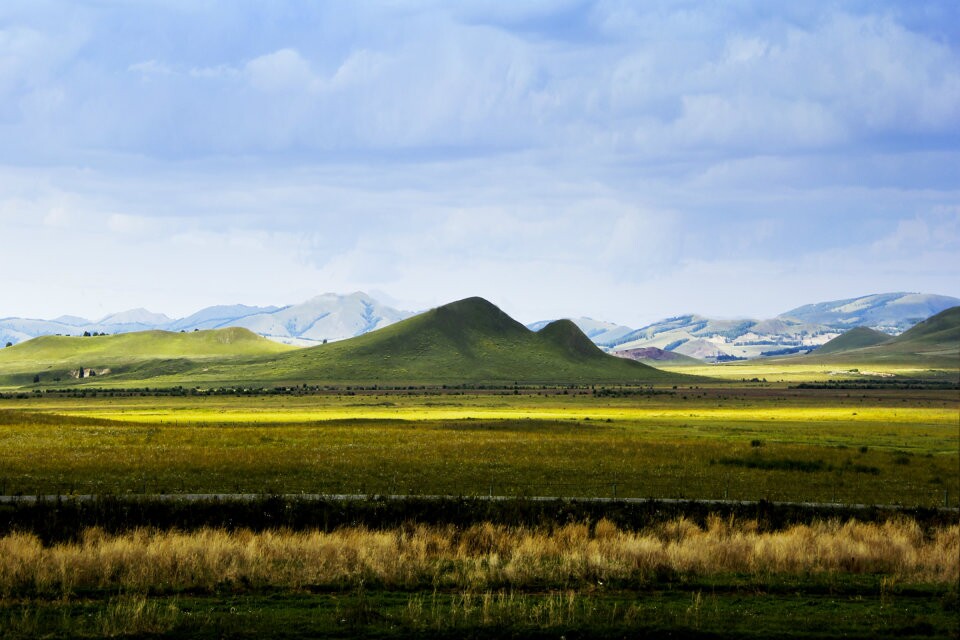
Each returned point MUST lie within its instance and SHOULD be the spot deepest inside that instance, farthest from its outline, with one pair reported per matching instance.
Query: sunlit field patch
(881, 447)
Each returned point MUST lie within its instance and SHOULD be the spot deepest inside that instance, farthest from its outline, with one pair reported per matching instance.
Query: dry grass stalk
(483, 556)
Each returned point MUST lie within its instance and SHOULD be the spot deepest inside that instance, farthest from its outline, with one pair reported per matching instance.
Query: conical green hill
(468, 341)
(571, 341)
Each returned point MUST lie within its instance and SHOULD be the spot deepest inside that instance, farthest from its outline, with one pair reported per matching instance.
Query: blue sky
(623, 160)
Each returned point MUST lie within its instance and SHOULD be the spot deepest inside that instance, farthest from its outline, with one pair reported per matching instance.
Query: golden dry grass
(483, 556)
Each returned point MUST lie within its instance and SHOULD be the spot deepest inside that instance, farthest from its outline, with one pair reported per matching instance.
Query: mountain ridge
(793, 332)
(332, 317)
(297, 324)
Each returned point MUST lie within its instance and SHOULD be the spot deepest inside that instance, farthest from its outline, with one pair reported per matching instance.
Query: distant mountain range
(332, 317)
(799, 330)
(328, 317)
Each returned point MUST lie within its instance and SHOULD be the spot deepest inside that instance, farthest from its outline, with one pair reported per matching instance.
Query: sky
(626, 161)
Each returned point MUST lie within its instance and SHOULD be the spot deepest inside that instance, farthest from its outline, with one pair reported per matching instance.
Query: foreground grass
(851, 609)
(882, 447)
(726, 579)
(480, 557)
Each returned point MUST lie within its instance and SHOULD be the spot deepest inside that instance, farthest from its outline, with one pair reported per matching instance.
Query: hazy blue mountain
(891, 313)
(327, 317)
(73, 321)
(132, 320)
(17, 330)
(218, 317)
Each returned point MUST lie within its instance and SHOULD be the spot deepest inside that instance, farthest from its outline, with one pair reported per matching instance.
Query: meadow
(873, 447)
(533, 569)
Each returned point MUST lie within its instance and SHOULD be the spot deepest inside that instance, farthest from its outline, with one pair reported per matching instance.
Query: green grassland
(864, 447)
(59, 358)
(746, 442)
(843, 609)
(464, 401)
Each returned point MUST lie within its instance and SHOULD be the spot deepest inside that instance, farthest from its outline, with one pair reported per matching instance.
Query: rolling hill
(856, 338)
(62, 357)
(469, 341)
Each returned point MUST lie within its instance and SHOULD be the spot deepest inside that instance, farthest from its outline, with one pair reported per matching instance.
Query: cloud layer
(611, 158)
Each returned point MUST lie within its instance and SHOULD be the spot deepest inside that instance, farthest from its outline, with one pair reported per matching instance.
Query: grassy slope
(467, 341)
(856, 338)
(933, 343)
(57, 355)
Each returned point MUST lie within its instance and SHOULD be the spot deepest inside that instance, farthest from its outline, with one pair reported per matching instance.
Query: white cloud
(129, 225)
(737, 122)
(604, 158)
(283, 70)
(935, 231)
(362, 67)
(151, 67)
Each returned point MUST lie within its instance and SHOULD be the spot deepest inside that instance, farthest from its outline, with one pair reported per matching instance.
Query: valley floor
(123, 565)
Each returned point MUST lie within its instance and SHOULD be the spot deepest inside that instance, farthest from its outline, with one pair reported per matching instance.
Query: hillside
(933, 343)
(62, 356)
(469, 341)
(856, 338)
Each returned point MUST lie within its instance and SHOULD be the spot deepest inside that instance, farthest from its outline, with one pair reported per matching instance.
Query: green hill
(933, 343)
(62, 357)
(855, 338)
(469, 341)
